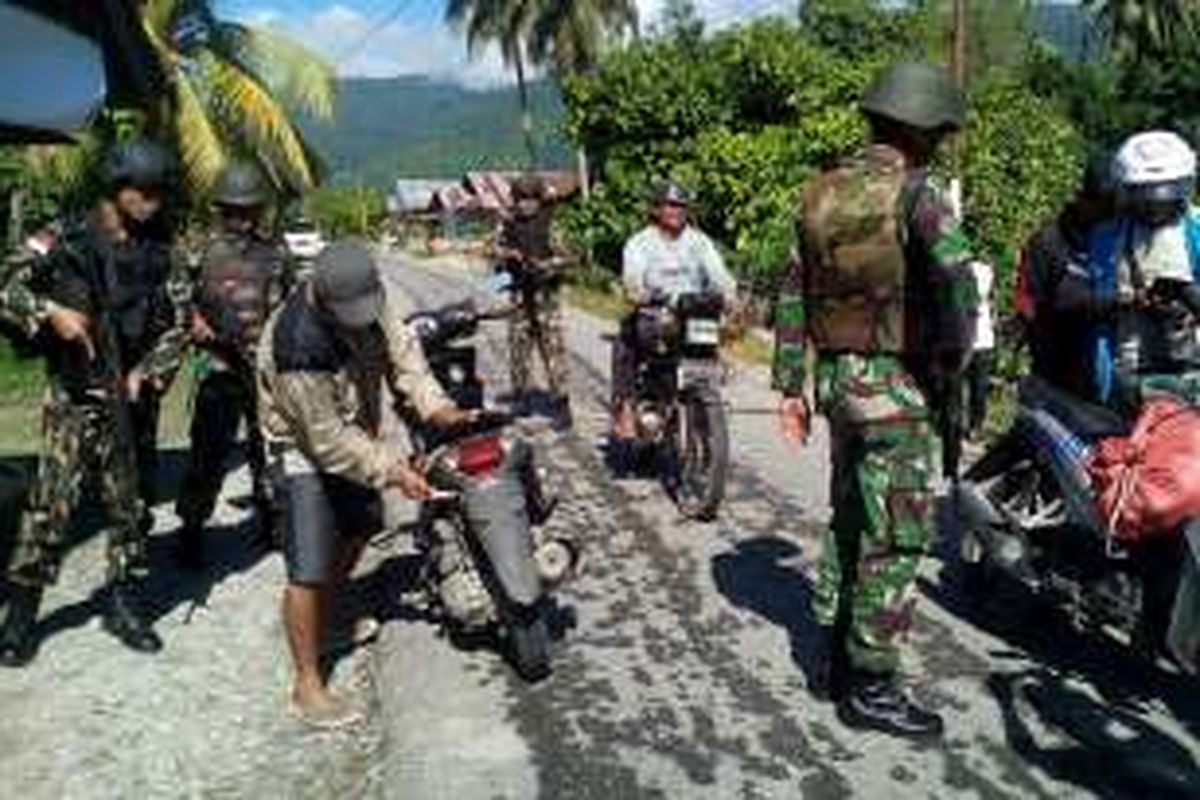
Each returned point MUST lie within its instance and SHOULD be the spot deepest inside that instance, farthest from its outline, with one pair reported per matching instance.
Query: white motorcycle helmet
(1155, 168)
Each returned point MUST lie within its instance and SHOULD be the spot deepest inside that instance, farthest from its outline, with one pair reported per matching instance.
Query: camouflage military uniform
(89, 430)
(241, 280)
(874, 238)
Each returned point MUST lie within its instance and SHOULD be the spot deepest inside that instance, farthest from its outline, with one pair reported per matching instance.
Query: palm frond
(157, 15)
(249, 114)
(201, 150)
(291, 71)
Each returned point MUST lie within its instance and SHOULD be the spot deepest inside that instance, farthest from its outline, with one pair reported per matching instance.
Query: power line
(362, 41)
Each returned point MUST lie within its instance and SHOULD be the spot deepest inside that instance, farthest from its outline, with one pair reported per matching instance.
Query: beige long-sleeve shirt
(318, 401)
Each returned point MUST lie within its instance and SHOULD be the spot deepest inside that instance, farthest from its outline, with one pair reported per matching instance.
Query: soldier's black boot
(829, 669)
(191, 546)
(18, 637)
(563, 419)
(875, 702)
(125, 619)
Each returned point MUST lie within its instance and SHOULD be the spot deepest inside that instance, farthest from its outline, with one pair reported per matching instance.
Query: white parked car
(304, 241)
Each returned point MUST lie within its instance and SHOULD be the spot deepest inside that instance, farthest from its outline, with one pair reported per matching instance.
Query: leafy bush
(745, 116)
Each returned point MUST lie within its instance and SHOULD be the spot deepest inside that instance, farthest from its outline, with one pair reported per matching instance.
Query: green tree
(233, 87)
(1140, 30)
(346, 210)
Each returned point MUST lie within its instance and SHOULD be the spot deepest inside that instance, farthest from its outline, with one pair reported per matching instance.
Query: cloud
(350, 39)
(428, 47)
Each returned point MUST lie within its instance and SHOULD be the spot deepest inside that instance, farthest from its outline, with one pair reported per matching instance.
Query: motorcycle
(1025, 511)
(678, 409)
(487, 565)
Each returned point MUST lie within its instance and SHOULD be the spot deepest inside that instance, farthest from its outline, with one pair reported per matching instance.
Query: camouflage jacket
(938, 296)
(134, 295)
(321, 407)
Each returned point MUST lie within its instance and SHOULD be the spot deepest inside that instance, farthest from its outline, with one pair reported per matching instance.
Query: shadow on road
(757, 577)
(1100, 747)
(230, 549)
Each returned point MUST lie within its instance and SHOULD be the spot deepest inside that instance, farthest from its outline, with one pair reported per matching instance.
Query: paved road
(678, 675)
(681, 675)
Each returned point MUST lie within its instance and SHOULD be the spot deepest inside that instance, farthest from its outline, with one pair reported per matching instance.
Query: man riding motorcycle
(664, 260)
(1143, 265)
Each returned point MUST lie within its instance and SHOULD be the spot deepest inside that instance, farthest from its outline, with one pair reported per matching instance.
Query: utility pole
(958, 62)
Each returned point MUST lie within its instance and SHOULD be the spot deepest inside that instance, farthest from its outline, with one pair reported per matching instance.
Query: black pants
(224, 399)
(144, 416)
(979, 379)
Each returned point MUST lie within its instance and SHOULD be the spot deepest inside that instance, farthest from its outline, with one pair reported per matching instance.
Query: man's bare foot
(624, 425)
(324, 710)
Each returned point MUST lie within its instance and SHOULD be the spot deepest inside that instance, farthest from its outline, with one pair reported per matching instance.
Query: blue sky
(417, 42)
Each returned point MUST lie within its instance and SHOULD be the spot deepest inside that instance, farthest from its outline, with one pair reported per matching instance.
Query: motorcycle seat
(1088, 421)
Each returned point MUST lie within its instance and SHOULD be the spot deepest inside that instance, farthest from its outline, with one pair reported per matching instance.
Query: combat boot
(829, 669)
(563, 419)
(125, 620)
(875, 702)
(18, 637)
(191, 546)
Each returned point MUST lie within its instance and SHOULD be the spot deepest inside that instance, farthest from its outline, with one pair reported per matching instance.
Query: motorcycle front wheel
(700, 452)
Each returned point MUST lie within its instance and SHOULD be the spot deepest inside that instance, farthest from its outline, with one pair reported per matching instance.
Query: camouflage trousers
(81, 443)
(538, 326)
(883, 513)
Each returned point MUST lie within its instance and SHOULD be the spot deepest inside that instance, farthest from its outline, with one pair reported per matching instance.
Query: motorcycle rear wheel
(529, 635)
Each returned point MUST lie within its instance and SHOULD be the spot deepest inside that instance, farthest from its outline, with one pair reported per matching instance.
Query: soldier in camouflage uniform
(525, 250)
(100, 307)
(882, 292)
(242, 278)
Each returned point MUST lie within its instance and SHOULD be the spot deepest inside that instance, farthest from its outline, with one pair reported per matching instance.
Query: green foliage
(745, 116)
(346, 210)
(1022, 160)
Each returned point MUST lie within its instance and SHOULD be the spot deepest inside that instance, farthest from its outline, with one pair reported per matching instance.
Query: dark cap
(347, 284)
(670, 193)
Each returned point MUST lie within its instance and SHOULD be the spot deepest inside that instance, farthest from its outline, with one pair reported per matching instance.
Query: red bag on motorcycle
(1148, 483)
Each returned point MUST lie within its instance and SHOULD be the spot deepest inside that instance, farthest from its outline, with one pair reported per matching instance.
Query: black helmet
(919, 95)
(671, 193)
(528, 187)
(242, 184)
(142, 163)
(1098, 178)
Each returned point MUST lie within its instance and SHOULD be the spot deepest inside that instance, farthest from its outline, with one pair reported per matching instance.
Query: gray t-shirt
(690, 262)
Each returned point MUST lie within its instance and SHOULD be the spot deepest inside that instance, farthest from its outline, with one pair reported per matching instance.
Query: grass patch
(602, 302)
(22, 381)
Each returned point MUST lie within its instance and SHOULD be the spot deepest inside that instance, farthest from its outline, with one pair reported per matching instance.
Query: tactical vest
(854, 260)
(530, 235)
(235, 293)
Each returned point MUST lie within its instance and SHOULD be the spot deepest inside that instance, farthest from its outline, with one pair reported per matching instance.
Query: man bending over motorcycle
(666, 259)
(325, 356)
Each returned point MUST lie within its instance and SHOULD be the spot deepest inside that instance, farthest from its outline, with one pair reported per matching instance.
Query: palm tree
(232, 88)
(508, 24)
(570, 35)
(1140, 29)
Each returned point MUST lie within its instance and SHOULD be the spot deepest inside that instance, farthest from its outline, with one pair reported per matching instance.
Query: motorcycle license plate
(699, 371)
(703, 332)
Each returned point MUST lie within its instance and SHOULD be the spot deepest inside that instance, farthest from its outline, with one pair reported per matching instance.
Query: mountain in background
(407, 127)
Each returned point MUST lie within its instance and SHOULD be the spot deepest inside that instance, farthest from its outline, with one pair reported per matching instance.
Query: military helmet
(528, 187)
(142, 163)
(243, 184)
(916, 94)
(671, 193)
